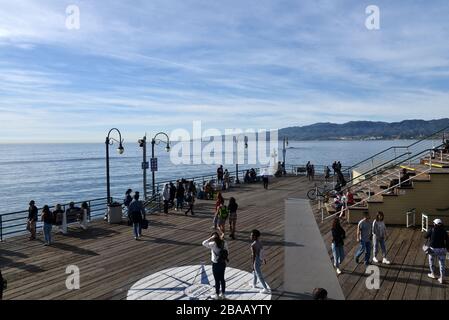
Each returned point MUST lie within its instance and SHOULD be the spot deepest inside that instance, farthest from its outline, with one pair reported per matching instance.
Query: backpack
(223, 213)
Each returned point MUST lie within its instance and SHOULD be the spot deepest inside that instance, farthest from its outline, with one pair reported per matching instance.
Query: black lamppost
(120, 150)
(236, 140)
(155, 141)
(284, 150)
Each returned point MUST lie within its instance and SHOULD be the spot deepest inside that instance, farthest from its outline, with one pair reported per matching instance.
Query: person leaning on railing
(32, 219)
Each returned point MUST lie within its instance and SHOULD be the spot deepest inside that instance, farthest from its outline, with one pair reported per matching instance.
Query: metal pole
(108, 186)
(152, 170)
(283, 152)
(144, 166)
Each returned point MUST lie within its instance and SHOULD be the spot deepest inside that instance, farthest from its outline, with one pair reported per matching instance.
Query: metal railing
(14, 223)
(394, 151)
(391, 187)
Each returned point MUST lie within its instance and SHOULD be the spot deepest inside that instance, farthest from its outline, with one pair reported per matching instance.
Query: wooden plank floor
(111, 261)
(406, 277)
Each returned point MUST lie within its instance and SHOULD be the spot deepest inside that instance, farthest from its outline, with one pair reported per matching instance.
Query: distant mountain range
(365, 130)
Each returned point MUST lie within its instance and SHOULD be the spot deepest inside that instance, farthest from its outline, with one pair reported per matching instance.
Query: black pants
(190, 209)
(218, 270)
(265, 183)
(165, 206)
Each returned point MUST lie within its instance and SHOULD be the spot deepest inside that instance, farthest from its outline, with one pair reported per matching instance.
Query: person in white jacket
(166, 197)
(219, 257)
(379, 236)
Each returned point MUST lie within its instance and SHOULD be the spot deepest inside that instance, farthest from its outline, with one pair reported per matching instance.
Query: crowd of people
(55, 217)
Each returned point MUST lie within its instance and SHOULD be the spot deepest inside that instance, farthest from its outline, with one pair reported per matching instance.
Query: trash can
(115, 213)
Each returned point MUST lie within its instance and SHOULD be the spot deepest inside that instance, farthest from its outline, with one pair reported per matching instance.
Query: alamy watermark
(73, 280)
(372, 282)
(372, 22)
(72, 21)
(228, 146)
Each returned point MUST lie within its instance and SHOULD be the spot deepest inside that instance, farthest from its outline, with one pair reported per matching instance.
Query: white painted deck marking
(194, 283)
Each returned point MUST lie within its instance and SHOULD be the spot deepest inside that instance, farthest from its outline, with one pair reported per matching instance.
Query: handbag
(28, 225)
(145, 224)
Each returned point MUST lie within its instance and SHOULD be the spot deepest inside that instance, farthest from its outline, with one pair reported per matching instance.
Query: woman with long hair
(379, 236)
(219, 258)
(338, 235)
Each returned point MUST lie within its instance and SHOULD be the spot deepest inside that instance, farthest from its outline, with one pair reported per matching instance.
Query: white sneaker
(431, 275)
(385, 261)
(338, 271)
(440, 280)
(214, 296)
(375, 260)
(265, 291)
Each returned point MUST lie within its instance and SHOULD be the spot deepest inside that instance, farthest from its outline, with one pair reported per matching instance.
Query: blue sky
(146, 66)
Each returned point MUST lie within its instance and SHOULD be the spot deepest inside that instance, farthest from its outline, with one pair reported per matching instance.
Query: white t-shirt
(215, 250)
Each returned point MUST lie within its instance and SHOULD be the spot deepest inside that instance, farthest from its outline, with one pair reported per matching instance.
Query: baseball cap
(437, 221)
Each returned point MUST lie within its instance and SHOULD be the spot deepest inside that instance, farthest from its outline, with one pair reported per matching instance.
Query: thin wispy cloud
(162, 64)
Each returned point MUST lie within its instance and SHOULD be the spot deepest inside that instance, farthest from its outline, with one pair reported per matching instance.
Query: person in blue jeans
(379, 237)
(257, 259)
(364, 235)
(137, 214)
(47, 218)
(438, 243)
(338, 235)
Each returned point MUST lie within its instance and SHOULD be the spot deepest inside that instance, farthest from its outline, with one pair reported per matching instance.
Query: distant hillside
(365, 130)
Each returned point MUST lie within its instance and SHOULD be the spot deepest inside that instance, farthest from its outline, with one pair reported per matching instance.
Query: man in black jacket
(438, 246)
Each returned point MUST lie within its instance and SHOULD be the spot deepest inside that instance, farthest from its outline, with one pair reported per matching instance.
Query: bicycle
(323, 192)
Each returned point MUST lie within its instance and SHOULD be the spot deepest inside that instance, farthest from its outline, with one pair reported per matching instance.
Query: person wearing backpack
(223, 214)
(47, 218)
(219, 257)
(438, 245)
(257, 258)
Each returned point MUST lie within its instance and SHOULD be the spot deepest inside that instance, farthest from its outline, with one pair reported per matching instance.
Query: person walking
(137, 214)
(166, 197)
(218, 203)
(219, 257)
(222, 216)
(48, 220)
(438, 245)
(172, 195)
(265, 181)
(32, 219)
(180, 192)
(379, 236)
(190, 199)
(257, 258)
(232, 207)
(364, 235)
(338, 236)
(226, 179)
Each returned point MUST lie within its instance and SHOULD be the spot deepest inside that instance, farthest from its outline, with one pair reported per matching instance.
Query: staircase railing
(363, 184)
(373, 160)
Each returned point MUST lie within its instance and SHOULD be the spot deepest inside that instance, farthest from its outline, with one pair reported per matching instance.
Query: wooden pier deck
(405, 279)
(111, 261)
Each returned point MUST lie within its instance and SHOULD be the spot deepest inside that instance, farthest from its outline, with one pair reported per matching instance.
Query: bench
(71, 216)
(300, 170)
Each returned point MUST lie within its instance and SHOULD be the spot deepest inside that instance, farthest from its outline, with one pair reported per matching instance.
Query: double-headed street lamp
(145, 165)
(236, 140)
(120, 150)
